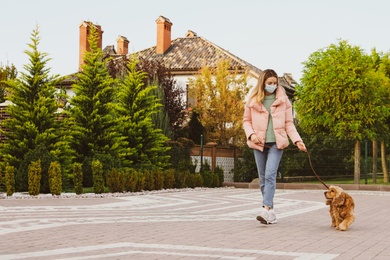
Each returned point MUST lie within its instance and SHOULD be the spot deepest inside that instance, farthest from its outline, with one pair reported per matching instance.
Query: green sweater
(270, 134)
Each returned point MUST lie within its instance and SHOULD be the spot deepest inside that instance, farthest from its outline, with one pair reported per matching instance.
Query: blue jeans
(267, 163)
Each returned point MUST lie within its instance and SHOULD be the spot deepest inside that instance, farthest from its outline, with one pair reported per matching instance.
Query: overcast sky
(278, 34)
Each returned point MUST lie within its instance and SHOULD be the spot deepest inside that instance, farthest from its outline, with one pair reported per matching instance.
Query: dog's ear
(340, 199)
(349, 201)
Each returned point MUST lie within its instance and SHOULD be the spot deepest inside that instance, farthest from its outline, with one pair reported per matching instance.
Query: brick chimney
(191, 34)
(163, 34)
(122, 44)
(84, 44)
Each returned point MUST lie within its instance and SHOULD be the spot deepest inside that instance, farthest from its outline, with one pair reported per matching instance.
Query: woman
(268, 122)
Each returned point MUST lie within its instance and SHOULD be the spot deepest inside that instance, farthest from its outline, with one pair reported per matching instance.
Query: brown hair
(258, 91)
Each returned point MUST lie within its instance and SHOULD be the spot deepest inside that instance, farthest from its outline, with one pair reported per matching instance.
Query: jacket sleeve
(247, 122)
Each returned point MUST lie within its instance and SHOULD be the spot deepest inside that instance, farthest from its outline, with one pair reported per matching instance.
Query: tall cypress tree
(92, 117)
(33, 132)
(137, 104)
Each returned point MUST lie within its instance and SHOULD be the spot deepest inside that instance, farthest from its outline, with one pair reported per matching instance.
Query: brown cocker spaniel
(341, 207)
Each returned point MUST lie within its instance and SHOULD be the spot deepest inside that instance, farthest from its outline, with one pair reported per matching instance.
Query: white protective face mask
(270, 88)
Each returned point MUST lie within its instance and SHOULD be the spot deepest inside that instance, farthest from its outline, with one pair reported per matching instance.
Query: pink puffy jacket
(255, 121)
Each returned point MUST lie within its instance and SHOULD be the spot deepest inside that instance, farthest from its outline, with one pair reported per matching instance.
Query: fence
(330, 158)
(223, 157)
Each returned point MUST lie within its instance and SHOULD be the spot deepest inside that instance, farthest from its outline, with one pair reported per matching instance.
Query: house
(184, 56)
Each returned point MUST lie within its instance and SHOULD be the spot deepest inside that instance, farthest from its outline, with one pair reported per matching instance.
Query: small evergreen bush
(97, 174)
(245, 169)
(10, 179)
(158, 179)
(78, 178)
(55, 178)
(181, 179)
(42, 154)
(169, 178)
(195, 180)
(34, 177)
(149, 180)
(115, 180)
(134, 180)
(208, 180)
(218, 181)
(1, 177)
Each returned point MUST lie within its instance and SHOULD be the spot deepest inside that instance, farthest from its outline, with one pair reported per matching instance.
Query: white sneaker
(272, 217)
(263, 216)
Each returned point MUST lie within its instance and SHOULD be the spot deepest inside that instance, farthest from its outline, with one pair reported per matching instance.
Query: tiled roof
(193, 53)
(69, 80)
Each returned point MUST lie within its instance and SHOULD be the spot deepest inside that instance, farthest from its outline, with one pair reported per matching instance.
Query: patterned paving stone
(191, 224)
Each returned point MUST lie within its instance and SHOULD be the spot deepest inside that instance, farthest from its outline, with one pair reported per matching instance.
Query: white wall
(183, 80)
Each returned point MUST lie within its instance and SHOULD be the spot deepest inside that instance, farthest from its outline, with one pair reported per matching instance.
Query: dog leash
(311, 164)
(312, 168)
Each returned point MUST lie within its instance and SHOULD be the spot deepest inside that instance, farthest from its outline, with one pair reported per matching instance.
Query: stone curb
(310, 186)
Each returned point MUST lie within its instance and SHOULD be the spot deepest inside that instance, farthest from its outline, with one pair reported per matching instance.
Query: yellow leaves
(219, 93)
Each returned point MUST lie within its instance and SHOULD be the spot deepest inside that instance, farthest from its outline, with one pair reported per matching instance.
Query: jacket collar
(278, 100)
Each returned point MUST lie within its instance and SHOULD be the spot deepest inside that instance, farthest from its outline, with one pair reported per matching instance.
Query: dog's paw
(343, 227)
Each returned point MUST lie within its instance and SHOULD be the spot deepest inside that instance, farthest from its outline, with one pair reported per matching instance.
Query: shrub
(97, 176)
(158, 179)
(10, 179)
(115, 181)
(215, 180)
(196, 180)
(180, 154)
(108, 162)
(169, 178)
(134, 180)
(55, 178)
(149, 180)
(245, 169)
(208, 180)
(218, 171)
(181, 179)
(78, 178)
(39, 153)
(34, 177)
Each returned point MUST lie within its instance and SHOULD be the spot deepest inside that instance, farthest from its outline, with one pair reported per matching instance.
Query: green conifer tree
(137, 104)
(6, 73)
(33, 128)
(92, 117)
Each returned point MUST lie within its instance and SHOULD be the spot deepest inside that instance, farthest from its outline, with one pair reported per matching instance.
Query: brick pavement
(192, 224)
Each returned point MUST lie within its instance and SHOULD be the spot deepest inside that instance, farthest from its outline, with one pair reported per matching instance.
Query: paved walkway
(192, 224)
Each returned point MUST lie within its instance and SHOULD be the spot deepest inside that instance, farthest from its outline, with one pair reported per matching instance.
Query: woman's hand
(254, 139)
(301, 146)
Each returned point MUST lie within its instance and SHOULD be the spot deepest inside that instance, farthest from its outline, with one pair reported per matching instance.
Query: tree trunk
(356, 173)
(374, 160)
(384, 163)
